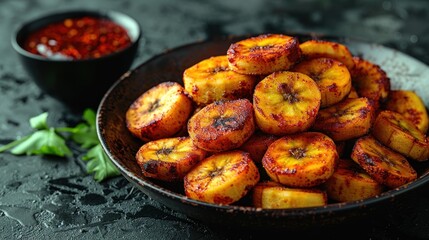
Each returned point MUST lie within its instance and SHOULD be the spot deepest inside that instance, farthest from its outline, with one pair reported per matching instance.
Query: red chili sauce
(78, 38)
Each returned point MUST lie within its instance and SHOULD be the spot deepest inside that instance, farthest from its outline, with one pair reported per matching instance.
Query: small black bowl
(77, 83)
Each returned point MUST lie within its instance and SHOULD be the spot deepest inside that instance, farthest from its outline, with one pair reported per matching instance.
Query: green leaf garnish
(100, 164)
(39, 122)
(13, 144)
(48, 141)
(45, 141)
(84, 134)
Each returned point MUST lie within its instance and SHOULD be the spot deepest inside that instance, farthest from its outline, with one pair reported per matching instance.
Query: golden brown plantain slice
(212, 80)
(264, 54)
(222, 178)
(301, 160)
(286, 102)
(370, 81)
(350, 183)
(222, 125)
(272, 195)
(320, 48)
(382, 164)
(398, 133)
(409, 105)
(346, 120)
(169, 159)
(160, 112)
(332, 78)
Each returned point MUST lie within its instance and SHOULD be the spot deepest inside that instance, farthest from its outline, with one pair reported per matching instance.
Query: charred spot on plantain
(297, 153)
(333, 87)
(340, 113)
(315, 76)
(153, 105)
(164, 151)
(289, 171)
(219, 69)
(195, 89)
(288, 94)
(225, 122)
(261, 48)
(364, 111)
(151, 166)
(368, 160)
(216, 172)
(173, 170)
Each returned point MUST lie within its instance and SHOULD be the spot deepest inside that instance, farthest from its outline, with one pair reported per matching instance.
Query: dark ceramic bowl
(121, 146)
(77, 83)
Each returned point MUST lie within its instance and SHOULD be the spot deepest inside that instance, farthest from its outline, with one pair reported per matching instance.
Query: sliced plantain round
(264, 54)
(212, 80)
(222, 125)
(223, 178)
(351, 183)
(169, 159)
(400, 134)
(383, 164)
(272, 195)
(409, 105)
(370, 81)
(286, 102)
(321, 48)
(301, 160)
(332, 78)
(160, 112)
(346, 120)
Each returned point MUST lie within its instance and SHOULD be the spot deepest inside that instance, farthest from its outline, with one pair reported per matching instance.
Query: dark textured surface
(44, 197)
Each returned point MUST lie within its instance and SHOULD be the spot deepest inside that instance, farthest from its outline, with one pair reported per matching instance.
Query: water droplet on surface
(414, 39)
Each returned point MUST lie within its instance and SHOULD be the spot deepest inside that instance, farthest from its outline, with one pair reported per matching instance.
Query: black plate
(404, 71)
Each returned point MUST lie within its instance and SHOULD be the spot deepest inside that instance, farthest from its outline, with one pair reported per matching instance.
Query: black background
(45, 197)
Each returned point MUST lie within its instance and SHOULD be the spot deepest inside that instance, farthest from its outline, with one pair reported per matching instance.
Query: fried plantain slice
(409, 105)
(370, 81)
(212, 80)
(332, 78)
(321, 48)
(264, 54)
(351, 183)
(401, 135)
(286, 102)
(351, 118)
(381, 163)
(223, 178)
(222, 125)
(169, 159)
(301, 160)
(272, 195)
(160, 112)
